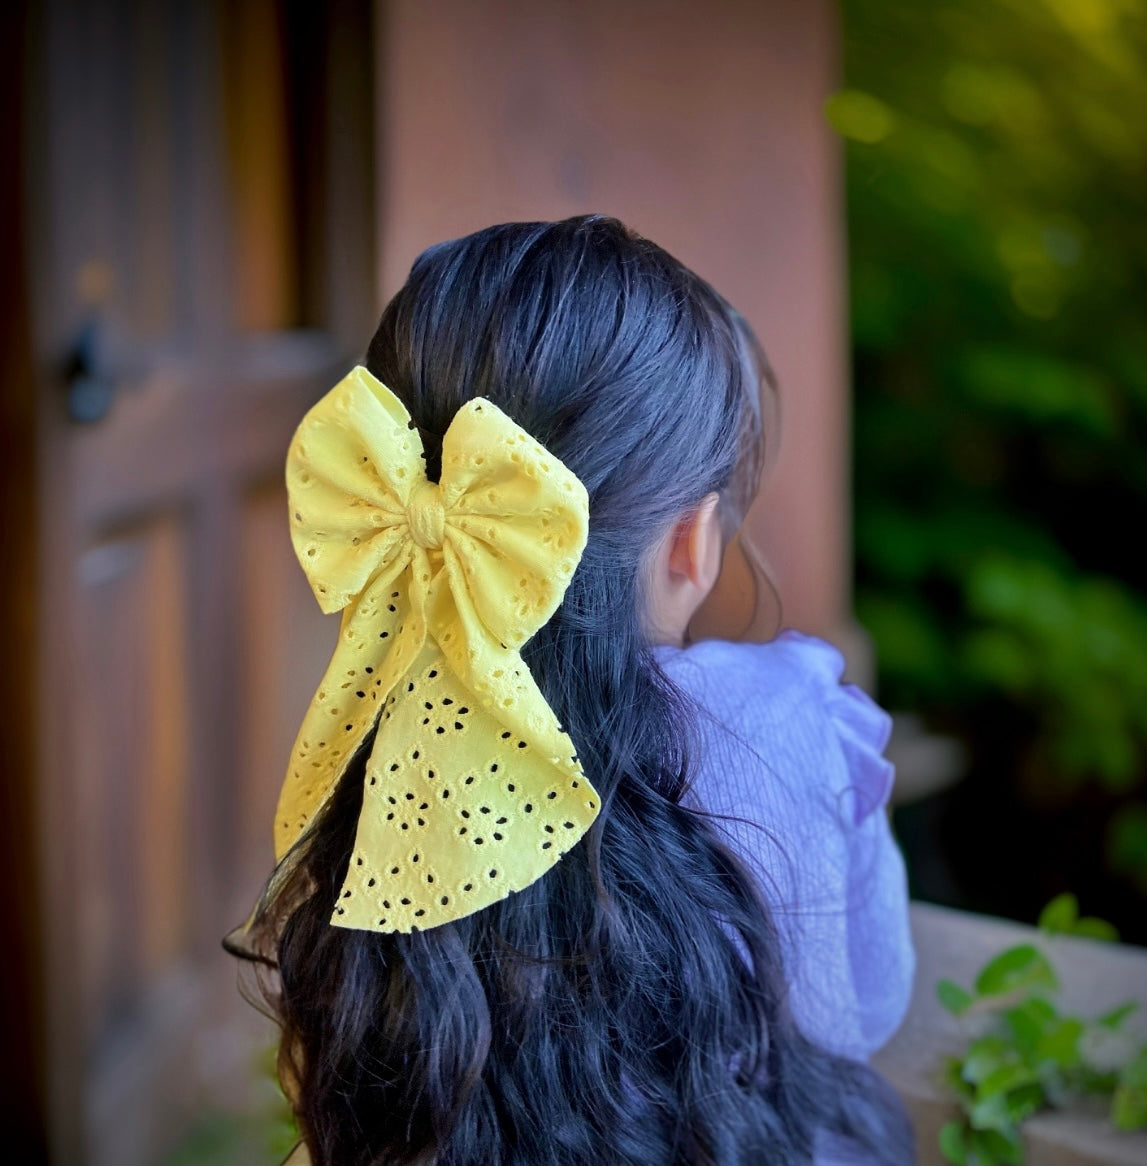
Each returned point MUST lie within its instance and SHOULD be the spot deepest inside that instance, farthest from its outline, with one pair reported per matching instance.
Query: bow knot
(426, 516)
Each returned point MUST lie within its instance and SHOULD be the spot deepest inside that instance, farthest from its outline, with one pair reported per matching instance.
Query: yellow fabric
(473, 790)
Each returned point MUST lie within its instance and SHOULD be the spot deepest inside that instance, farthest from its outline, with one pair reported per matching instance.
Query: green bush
(997, 172)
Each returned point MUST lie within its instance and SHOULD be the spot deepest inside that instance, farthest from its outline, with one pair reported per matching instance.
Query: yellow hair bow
(473, 789)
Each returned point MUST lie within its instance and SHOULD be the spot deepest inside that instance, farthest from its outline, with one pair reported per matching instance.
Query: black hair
(630, 1006)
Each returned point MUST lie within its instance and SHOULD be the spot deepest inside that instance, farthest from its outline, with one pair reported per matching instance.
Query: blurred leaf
(1060, 1045)
(954, 998)
(911, 644)
(998, 253)
(1023, 1101)
(1030, 1022)
(990, 1113)
(984, 1057)
(859, 116)
(1019, 968)
(954, 1079)
(1059, 914)
(993, 1146)
(1116, 1016)
(1090, 927)
(1129, 1104)
(953, 1143)
(1036, 387)
(1007, 1078)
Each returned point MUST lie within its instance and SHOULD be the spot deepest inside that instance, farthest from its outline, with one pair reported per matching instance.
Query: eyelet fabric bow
(473, 790)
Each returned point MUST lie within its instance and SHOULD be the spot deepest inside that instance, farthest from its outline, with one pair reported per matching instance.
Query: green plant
(998, 283)
(266, 1132)
(1027, 1056)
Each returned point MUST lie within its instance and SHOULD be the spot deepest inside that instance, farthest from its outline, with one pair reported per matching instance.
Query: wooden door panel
(131, 774)
(180, 641)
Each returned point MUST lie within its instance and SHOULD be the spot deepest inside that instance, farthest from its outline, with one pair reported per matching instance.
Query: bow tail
(379, 636)
(473, 790)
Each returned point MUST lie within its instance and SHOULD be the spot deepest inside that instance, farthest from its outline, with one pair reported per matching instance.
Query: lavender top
(794, 758)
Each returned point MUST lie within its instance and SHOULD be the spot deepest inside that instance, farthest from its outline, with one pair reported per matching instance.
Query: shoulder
(791, 763)
(772, 672)
(783, 702)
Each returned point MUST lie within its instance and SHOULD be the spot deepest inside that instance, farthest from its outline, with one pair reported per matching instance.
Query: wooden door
(199, 259)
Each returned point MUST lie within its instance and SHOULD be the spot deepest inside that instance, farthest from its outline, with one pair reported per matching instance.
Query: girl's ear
(682, 571)
(695, 545)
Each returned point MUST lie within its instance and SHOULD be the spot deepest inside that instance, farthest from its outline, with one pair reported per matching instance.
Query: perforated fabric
(473, 790)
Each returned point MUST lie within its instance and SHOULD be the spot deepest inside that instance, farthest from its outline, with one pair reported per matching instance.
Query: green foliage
(282, 1129)
(998, 255)
(266, 1133)
(1029, 1056)
(1129, 1105)
(1127, 843)
(1061, 917)
(1019, 969)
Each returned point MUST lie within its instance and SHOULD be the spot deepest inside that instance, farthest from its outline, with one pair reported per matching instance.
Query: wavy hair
(630, 1006)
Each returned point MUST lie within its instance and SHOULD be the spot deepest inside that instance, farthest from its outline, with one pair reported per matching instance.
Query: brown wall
(700, 125)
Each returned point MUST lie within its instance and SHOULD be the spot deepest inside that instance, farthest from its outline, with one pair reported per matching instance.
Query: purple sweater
(794, 758)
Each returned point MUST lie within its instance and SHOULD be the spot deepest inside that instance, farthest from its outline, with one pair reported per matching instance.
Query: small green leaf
(954, 998)
(991, 1113)
(1060, 914)
(984, 1057)
(1129, 1104)
(954, 1077)
(1135, 1072)
(954, 1142)
(1090, 927)
(1116, 1016)
(859, 116)
(1006, 1078)
(1061, 917)
(992, 1147)
(1030, 1021)
(1018, 968)
(1025, 1101)
(1060, 1044)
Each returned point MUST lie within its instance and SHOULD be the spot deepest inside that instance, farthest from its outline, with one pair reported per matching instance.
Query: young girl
(553, 887)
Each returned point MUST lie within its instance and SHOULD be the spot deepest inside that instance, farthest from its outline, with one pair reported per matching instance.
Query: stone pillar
(701, 126)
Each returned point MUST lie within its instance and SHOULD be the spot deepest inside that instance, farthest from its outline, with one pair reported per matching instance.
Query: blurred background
(206, 204)
(997, 180)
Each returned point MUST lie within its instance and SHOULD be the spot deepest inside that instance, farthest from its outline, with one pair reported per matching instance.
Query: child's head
(617, 358)
(627, 1006)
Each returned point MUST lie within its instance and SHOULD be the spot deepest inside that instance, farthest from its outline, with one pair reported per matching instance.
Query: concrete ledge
(1094, 976)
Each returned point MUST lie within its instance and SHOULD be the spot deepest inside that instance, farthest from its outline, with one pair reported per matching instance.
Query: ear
(695, 546)
(682, 571)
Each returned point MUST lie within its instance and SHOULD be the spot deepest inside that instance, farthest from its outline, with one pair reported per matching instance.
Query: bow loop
(351, 468)
(517, 519)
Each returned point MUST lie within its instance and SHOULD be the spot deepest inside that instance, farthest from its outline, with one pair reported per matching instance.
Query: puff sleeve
(791, 761)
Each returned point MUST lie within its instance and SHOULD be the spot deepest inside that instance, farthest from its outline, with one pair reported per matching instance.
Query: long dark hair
(629, 1007)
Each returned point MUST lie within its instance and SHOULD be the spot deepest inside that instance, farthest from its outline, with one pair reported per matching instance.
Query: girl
(555, 888)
